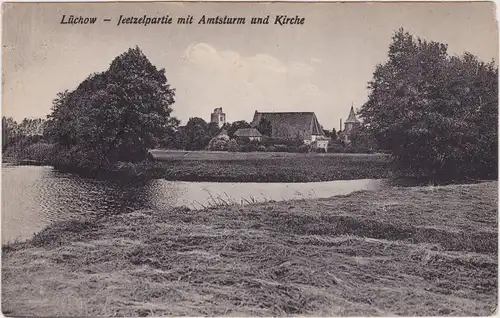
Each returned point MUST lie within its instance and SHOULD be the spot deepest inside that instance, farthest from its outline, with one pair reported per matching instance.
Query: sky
(322, 66)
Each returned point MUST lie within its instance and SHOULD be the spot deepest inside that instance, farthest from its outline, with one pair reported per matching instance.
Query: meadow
(222, 166)
(399, 251)
(268, 167)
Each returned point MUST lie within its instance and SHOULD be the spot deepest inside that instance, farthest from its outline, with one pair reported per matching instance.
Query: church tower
(218, 117)
(350, 125)
(351, 122)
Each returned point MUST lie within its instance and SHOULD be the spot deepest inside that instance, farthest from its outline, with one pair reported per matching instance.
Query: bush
(261, 148)
(266, 141)
(320, 150)
(244, 148)
(30, 148)
(335, 148)
(232, 146)
(281, 148)
(40, 152)
(247, 145)
(349, 149)
(293, 149)
(271, 149)
(218, 144)
(303, 149)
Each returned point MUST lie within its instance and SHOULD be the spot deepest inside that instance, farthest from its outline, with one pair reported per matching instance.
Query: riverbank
(401, 251)
(207, 166)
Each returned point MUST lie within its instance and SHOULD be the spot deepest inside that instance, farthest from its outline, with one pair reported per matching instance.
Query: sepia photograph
(258, 159)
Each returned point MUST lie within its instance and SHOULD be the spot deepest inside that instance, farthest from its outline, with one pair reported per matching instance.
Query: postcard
(249, 159)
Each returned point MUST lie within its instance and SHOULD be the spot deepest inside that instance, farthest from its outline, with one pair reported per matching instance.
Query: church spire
(352, 116)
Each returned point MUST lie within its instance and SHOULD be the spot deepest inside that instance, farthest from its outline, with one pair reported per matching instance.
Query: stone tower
(218, 117)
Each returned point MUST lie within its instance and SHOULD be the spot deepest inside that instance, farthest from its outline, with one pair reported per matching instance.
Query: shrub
(335, 148)
(232, 146)
(271, 149)
(247, 145)
(320, 150)
(266, 141)
(281, 148)
(261, 148)
(244, 148)
(292, 149)
(218, 144)
(349, 149)
(303, 149)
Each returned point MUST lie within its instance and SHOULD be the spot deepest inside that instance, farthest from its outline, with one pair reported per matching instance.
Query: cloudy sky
(321, 66)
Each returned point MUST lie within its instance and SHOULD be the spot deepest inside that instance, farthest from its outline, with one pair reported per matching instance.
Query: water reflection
(34, 196)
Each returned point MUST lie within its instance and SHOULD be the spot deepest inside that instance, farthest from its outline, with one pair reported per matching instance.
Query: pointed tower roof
(352, 117)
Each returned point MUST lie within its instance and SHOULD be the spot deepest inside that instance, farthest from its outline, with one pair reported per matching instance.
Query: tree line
(28, 130)
(435, 114)
(198, 134)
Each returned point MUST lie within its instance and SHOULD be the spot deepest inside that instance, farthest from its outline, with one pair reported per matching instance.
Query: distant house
(294, 125)
(250, 133)
(350, 125)
(223, 135)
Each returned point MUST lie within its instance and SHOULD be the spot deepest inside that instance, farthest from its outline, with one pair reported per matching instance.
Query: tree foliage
(333, 134)
(436, 113)
(330, 134)
(265, 127)
(237, 125)
(10, 131)
(362, 140)
(116, 115)
(197, 134)
(28, 131)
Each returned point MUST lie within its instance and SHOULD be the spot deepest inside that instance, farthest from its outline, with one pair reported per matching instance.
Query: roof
(352, 117)
(223, 132)
(247, 132)
(290, 125)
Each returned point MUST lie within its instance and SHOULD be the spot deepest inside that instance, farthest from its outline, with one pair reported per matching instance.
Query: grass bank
(402, 251)
(214, 166)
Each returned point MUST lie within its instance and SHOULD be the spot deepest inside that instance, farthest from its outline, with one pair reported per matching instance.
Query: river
(34, 196)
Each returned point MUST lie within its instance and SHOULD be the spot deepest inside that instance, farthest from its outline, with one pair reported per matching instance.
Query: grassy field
(401, 251)
(162, 154)
(268, 166)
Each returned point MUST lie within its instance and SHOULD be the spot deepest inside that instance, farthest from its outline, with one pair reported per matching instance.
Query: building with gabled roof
(250, 133)
(294, 125)
(290, 125)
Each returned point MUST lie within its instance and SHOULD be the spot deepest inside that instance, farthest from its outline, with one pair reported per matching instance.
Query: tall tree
(333, 134)
(10, 131)
(436, 114)
(197, 134)
(116, 115)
